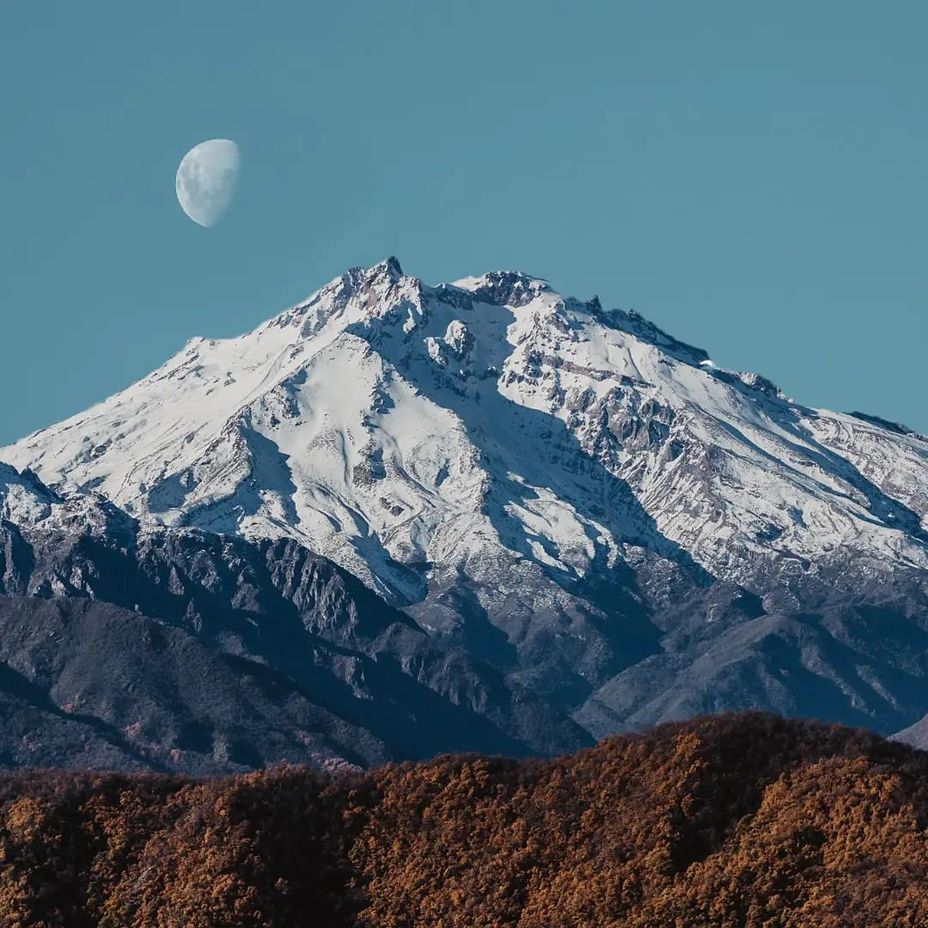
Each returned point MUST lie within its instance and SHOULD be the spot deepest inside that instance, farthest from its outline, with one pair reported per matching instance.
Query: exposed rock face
(176, 649)
(568, 495)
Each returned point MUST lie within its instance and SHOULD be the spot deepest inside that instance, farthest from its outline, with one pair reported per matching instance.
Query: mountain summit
(581, 500)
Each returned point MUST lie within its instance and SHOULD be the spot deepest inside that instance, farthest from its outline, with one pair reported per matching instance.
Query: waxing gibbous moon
(207, 179)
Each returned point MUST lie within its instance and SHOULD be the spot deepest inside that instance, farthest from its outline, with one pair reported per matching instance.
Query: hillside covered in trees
(747, 821)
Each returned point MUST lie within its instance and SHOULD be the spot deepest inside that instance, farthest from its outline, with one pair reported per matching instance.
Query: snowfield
(391, 425)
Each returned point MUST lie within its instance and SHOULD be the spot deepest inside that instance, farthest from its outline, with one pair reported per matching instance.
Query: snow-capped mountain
(573, 494)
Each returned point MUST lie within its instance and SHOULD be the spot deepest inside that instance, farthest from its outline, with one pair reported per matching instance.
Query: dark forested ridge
(725, 821)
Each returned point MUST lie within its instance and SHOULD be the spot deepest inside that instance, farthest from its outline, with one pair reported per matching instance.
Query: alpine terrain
(478, 515)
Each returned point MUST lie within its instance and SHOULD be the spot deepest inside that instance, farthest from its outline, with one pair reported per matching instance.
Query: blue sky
(750, 176)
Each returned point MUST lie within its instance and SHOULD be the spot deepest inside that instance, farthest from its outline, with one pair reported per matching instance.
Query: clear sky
(751, 176)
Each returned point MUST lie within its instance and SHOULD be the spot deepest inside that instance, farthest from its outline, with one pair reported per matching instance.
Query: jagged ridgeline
(574, 523)
(735, 821)
(139, 647)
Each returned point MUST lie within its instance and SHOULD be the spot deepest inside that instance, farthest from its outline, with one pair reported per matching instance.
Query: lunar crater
(207, 180)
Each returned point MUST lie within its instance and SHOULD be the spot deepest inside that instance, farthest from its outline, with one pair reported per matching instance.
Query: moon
(207, 179)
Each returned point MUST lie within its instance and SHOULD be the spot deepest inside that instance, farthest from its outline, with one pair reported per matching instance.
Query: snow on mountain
(29, 505)
(526, 470)
(24, 499)
(129, 644)
(916, 735)
(389, 423)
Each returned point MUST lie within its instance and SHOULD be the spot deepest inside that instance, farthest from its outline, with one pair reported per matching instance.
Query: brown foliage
(747, 821)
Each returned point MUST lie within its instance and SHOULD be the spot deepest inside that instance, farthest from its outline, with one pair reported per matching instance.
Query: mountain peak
(385, 423)
(502, 288)
(391, 265)
(386, 271)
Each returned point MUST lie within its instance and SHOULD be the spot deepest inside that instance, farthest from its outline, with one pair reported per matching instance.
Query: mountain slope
(88, 685)
(749, 821)
(916, 735)
(568, 494)
(137, 647)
